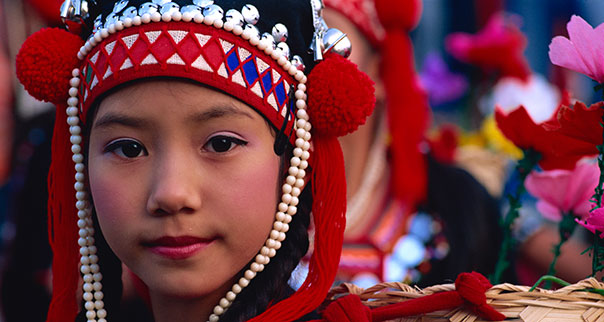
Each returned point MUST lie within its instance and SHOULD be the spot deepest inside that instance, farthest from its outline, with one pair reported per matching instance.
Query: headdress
(256, 51)
(386, 24)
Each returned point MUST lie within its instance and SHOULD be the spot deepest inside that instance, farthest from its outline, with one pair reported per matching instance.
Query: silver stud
(268, 38)
(213, 11)
(169, 8)
(129, 12)
(298, 63)
(148, 7)
(111, 19)
(161, 2)
(336, 41)
(203, 3)
(98, 24)
(193, 9)
(252, 30)
(120, 5)
(250, 14)
(284, 49)
(280, 32)
(234, 16)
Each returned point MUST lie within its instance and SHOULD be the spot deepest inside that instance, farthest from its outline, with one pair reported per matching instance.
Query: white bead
(298, 152)
(166, 17)
(111, 28)
(98, 37)
(277, 225)
(262, 45)
(269, 50)
(87, 287)
(79, 176)
(84, 251)
(81, 54)
(293, 171)
(254, 40)
(83, 233)
(156, 17)
(301, 173)
(85, 269)
(287, 64)
(75, 139)
(257, 267)
(288, 219)
(75, 148)
(292, 210)
(79, 167)
(290, 180)
(88, 46)
(292, 69)
(282, 61)
(104, 33)
(285, 228)
(281, 236)
(296, 192)
(299, 76)
(286, 188)
(119, 25)
(277, 244)
(305, 155)
(75, 129)
(300, 123)
(237, 30)
(279, 217)
(264, 250)
(286, 198)
(94, 259)
(294, 201)
(102, 313)
(176, 16)
(137, 21)
(299, 183)
(92, 249)
(81, 204)
(261, 259)
(301, 114)
(186, 17)
(97, 277)
(308, 127)
(224, 303)
(73, 120)
(213, 318)
(79, 186)
(300, 104)
(198, 18)
(97, 286)
(302, 87)
(249, 274)
(274, 234)
(231, 296)
(295, 161)
(82, 223)
(282, 207)
(270, 243)
(307, 136)
(83, 214)
(73, 92)
(300, 133)
(90, 231)
(300, 143)
(77, 158)
(75, 72)
(87, 296)
(94, 268)
(146, 18)
(236, 289)
(218, 23)
(276, 54)
(101, 320)
(98, 295)
(303, 165)
(208, 20)
(90, 315)
(128, 22)
(306, 146)
(244, 282)
(89, 305)
(272, 253)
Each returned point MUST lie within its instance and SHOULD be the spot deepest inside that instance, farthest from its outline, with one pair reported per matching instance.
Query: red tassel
(408, 117)
(62, 224)
(329, 212)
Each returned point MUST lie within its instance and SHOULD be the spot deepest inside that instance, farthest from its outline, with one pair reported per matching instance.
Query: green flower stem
(549, 278)
(524, 167)
(597, 248)
(566, 227)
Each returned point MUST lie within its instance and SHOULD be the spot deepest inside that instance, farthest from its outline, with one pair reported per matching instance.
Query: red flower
(581, 123)
(557, 151)
(498, 46)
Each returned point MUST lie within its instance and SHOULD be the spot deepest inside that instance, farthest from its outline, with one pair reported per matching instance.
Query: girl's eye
(223, 143)
(128, 149)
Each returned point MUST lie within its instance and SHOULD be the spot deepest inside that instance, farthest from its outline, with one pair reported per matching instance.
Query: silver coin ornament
(213, 11)
(234, 16)
(336, 41)
(129, 12)
(161, 2)
(111, 19)
(250, 14)
(284, 49)
(169, 8)
(119, 6)
(148, 8)
(203, 3)
(298, 63)
(192, 9)
(84, 9)
(280, 32)
(97, 24)
(269, 39)
(252, 30)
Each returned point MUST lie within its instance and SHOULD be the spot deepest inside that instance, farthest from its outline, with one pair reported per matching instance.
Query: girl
(187, 128)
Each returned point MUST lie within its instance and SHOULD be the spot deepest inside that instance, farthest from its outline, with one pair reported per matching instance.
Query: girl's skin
(183, 180)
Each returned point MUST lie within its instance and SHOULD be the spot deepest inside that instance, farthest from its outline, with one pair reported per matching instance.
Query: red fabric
(397, 14)
(408, 118)
(329, 213)
(363, 14)
(557, 151)
(499, 47)
(45, 62)
(340, 96)
(470, 291)
(49, 9)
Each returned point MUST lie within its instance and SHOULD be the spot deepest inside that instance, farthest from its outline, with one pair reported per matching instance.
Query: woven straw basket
(571, 303)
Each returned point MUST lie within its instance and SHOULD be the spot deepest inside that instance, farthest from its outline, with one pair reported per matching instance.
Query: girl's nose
(175, 187)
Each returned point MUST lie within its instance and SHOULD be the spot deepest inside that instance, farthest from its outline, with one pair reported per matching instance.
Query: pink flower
(583, 52)
(594, 222)
(561, 191)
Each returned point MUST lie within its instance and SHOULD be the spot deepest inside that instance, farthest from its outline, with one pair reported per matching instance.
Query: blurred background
(462, 96)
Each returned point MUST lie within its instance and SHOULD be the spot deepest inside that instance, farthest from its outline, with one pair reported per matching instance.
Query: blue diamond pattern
(251, 74)
(267, 82)
(280, 93)
(233, 61)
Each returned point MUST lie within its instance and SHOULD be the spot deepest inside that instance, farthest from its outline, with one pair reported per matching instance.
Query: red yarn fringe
(62, 224)
(329, 212)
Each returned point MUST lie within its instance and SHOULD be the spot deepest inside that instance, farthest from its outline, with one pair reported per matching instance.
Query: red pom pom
(397, 14)
(340, 96)
(45, 62)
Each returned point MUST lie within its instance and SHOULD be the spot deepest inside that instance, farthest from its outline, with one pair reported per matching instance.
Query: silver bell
(161, 2)
(234, 16)
(280, 32)
(111, 19)
(214, 12)
(74, 10)
(148, 7)
(203, 3)
(336, 41)
(284, 49)
(193, 9)
(252, 30)
(119, 6)
(250, 14)
(97, 24)
(129, 12)
(269, 39)
(298, 63)
(169, 8)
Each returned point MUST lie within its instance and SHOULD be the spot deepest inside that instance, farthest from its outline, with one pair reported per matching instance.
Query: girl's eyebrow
(218, 112)
(110, 119)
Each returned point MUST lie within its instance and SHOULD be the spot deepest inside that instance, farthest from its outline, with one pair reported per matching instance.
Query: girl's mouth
(180, 247)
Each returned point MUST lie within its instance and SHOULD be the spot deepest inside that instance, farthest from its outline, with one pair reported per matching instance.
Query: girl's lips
(181, 247)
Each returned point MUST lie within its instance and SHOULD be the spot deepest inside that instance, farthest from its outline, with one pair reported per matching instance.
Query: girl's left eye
(223, 143)
(127, 149)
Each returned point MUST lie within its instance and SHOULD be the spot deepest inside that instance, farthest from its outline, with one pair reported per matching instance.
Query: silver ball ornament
(280, 32)
(336, 41)
(148, 8)
(213, 11)
(250, 14)
(234, 16)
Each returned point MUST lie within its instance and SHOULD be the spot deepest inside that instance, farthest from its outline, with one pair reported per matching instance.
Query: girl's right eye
(128, 149)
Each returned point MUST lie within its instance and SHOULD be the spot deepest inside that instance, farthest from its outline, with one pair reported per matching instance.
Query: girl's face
(183, 180)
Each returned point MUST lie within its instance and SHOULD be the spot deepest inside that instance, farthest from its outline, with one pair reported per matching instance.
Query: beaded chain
(294, 182)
